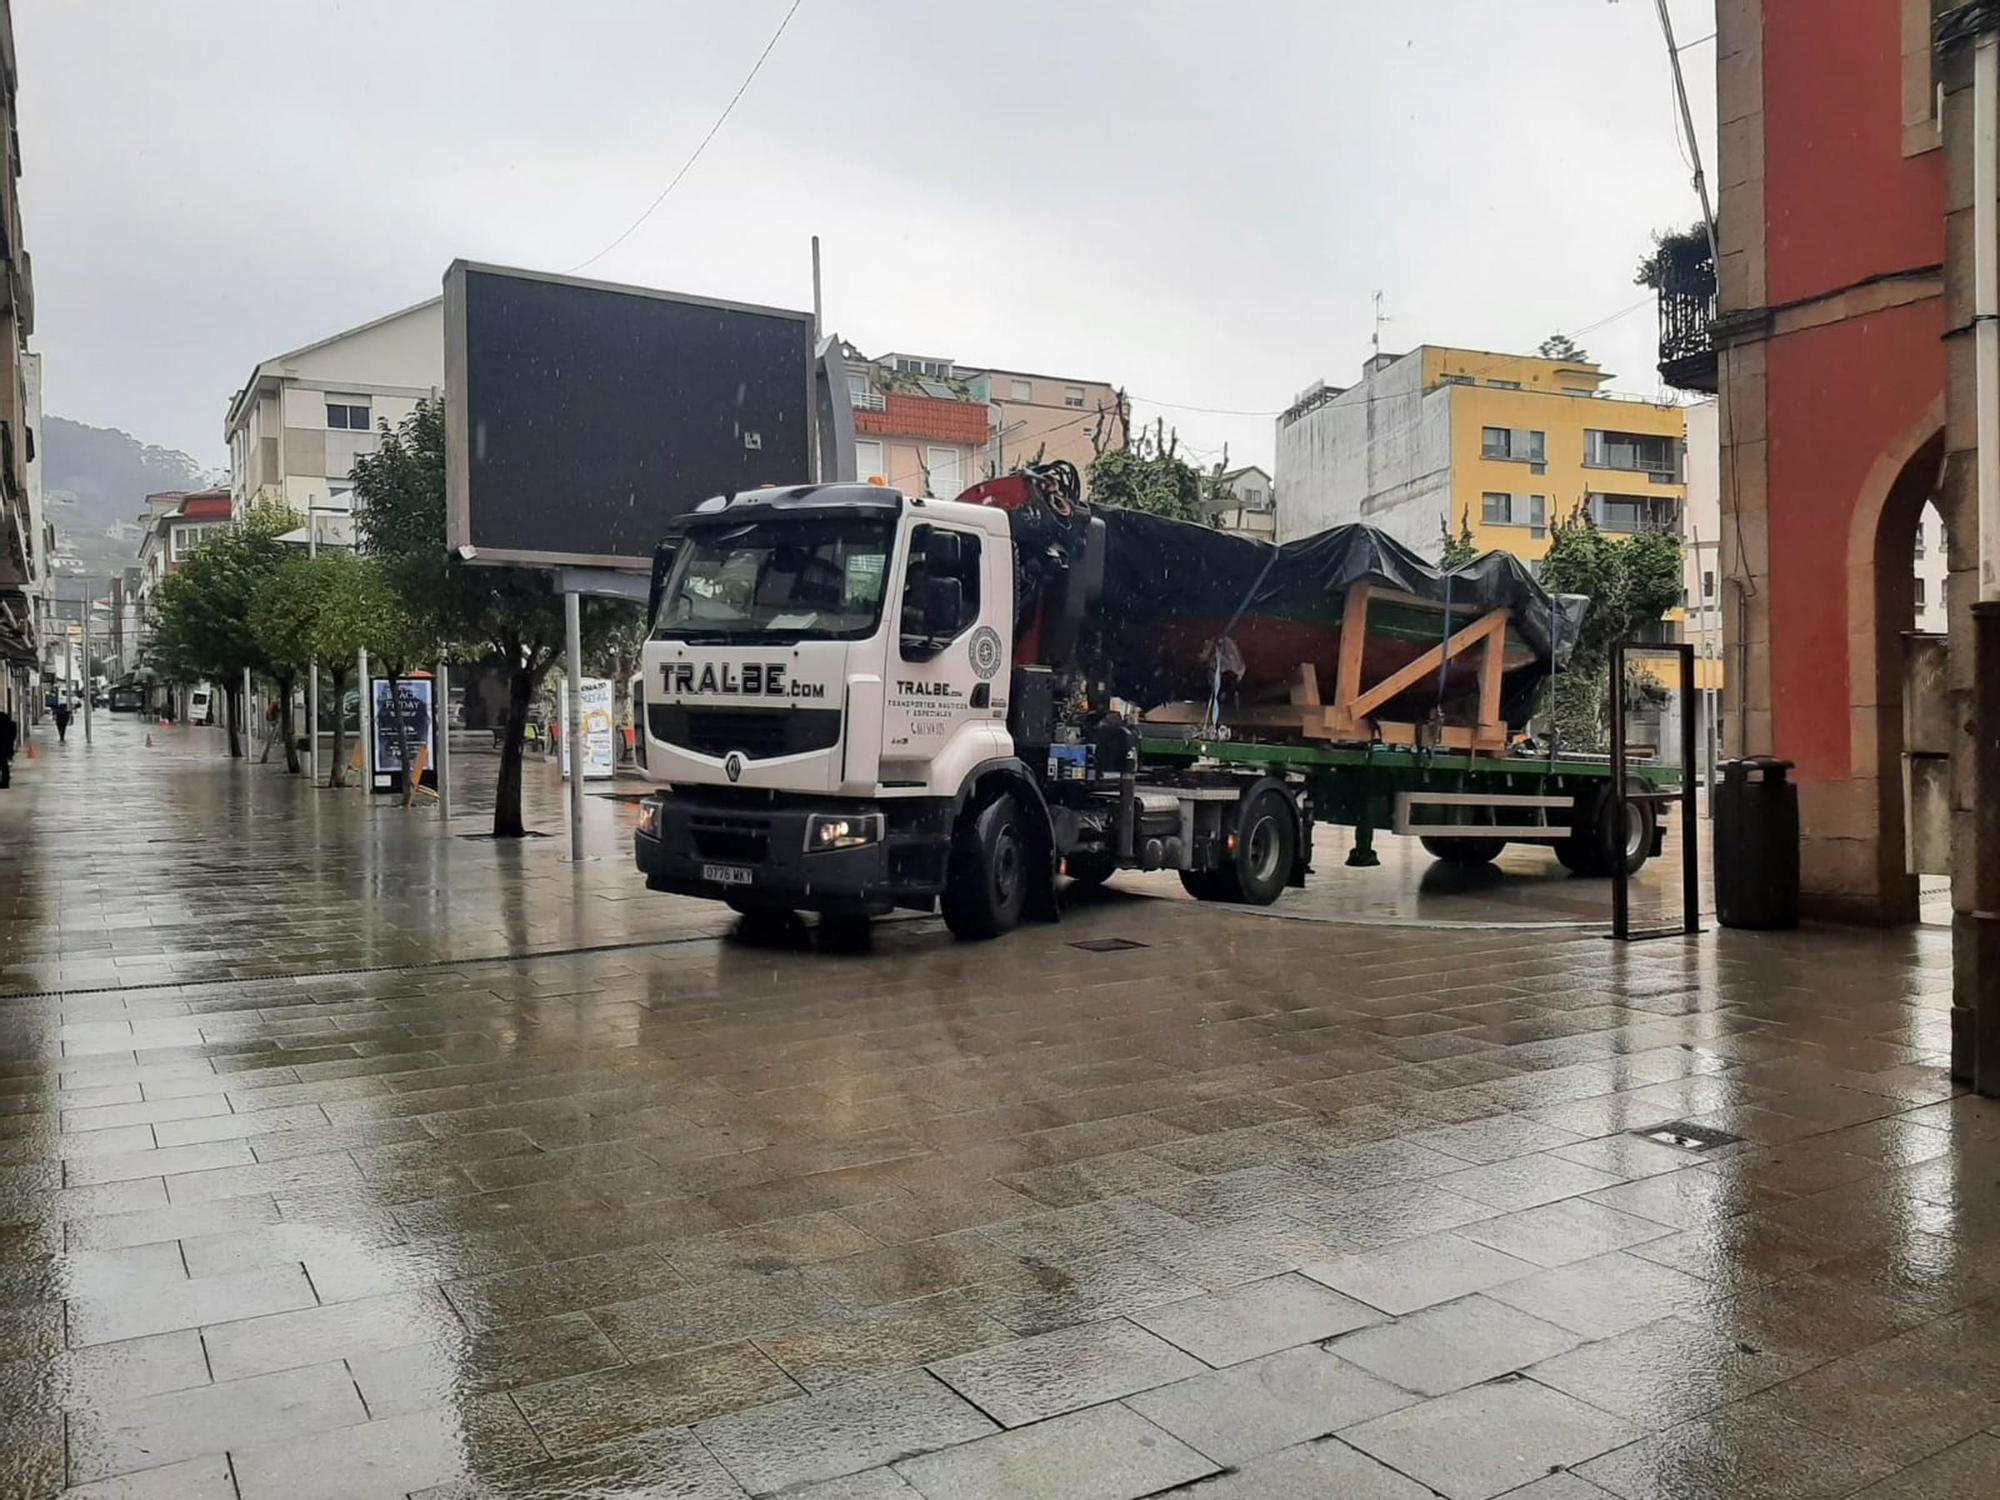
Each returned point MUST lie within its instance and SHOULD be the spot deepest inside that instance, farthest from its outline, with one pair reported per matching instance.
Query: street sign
(582, 416)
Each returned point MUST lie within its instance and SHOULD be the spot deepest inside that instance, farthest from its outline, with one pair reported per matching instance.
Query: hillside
(94, 484)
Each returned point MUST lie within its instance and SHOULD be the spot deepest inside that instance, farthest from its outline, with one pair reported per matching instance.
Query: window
(1496, 442)
(346, 417)
(868, 460)
(857, 384)
(185, 539)
(1537, 446)
(1454, 380)
(1073, 396)
(942, 466)
(1513, 442)
(1634, 513)
(1505, 385)
(777, 580)
(1638, 451)
(1514, 510)
(934, 369)
(1708, 583)
(1918, 550)
(940, 590)
(1022, 390)
(1920, 594)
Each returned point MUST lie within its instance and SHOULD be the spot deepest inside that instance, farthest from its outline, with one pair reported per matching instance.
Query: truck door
(948, 663)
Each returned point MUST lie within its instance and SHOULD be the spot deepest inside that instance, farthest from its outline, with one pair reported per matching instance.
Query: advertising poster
(600, 733)
(413, 699)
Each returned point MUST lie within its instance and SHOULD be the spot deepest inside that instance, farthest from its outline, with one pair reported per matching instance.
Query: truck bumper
(693, 840)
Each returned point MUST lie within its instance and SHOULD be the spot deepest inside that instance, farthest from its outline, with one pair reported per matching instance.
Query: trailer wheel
(1206, 885)
(1464, 851)
(987, 883)
(1593, 852)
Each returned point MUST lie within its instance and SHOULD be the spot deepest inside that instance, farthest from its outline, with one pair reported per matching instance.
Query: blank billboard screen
(581, 417)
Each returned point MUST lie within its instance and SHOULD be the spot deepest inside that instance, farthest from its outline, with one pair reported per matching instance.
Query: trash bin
(1757, 844)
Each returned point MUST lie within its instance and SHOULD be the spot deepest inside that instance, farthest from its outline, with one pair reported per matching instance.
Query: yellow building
(1506, 444)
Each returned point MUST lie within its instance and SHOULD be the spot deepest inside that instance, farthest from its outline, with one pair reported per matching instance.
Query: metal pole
(813, 464)
(89, 681)
(312, 670)
(364, 713)
(441, 726)
(572, 729)
(249, 718)
(1621, 915)
(1690, 821)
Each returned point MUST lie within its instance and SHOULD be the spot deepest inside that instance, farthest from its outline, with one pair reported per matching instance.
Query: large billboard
(581, 416)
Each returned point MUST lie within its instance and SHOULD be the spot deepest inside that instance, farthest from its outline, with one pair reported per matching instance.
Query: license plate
(726, 874)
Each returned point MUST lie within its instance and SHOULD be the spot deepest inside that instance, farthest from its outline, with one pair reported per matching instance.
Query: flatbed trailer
(1465, 807)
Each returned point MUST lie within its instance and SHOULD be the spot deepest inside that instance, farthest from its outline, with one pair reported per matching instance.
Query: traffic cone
(149, 739)
(31, 749)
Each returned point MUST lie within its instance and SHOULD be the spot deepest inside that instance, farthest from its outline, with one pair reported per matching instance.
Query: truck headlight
(825, 831)
(649, 817)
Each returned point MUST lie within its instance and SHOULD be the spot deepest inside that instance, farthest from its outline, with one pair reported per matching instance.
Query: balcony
(1683, 274)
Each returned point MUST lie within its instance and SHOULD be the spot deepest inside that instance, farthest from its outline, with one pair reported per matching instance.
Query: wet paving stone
(1309, 1471)
(1754, 1456)
(1027, 1380)
(865, 1425)
(392, 1455)
(1418, 1273)
(416, 1376)
(1456, 1344)
(581, 1410)
(283, 1341)
(714, 1312)
(874, 1341)
(1489, 1438)
(1262, 1405)
(1106, 1453)
(205, 1478)
(1668, 1371)
(1606, 1294)
(145, 1433)
(668, 1463)
(1227, 1327)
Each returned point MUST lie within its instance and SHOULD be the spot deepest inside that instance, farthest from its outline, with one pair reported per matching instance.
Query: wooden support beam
(1492, 624)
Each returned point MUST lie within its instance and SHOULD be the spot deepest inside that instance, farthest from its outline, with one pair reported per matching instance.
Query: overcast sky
(1193, 198)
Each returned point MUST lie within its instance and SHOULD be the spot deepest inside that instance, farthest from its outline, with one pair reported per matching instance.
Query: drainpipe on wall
(1976, 1059)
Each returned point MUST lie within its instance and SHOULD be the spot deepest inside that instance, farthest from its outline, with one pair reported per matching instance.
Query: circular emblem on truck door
(985, 649)
(732, 765)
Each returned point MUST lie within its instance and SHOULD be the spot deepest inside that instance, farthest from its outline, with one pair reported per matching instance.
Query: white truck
(856, 700)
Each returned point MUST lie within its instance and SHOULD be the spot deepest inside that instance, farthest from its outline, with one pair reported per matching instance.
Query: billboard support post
(364, 715)
(441, 727)
(572, 729)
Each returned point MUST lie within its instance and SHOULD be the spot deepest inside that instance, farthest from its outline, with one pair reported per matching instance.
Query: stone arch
(1881, 602)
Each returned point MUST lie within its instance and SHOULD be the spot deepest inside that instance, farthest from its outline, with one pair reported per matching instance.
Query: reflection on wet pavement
(341, 1156)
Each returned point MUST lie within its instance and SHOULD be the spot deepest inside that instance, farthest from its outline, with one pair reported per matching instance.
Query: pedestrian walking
(63, 712)
(9, 733)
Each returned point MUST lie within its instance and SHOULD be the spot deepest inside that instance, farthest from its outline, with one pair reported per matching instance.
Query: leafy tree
(1671, 247)
(1630, 582)
(1460, 549)
(328, 609)
(512, 614)
(1148, 474)
(1562, 346)
(614, 651)
(201, 626)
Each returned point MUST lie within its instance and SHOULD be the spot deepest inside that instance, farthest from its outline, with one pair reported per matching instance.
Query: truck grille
(737, 840)
(759, 733)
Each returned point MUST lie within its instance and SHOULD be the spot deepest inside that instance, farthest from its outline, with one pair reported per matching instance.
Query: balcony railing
(868, 400)
(1684, 275)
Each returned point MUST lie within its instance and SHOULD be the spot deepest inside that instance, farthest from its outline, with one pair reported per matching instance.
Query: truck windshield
(795, 579)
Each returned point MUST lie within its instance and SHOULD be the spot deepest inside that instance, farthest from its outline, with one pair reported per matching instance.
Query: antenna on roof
(1380, 318)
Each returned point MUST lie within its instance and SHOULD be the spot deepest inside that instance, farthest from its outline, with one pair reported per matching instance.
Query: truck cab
(825, 683)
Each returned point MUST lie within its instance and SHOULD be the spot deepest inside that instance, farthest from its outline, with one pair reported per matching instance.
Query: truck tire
(1090, 866)
(1592, 851)
(1466, 852)
(987, 882)
(1260, 866)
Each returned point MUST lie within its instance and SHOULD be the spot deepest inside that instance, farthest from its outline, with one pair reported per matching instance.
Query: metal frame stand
(1621, 800)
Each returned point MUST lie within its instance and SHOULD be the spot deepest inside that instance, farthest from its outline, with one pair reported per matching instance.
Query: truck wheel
(1464, 851)
(1639, 819)
(1205, 885)
(988, 879)
(1260, 866)
(1579, 856)
(1090, 866)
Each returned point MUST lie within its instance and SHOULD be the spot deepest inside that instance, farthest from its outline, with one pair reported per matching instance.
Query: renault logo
(732, 765)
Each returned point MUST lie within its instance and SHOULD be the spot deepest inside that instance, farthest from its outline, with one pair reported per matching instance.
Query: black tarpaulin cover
(1171, 589)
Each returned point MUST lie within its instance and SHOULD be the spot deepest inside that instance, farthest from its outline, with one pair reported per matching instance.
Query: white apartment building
(303, 417)
(1251, 506)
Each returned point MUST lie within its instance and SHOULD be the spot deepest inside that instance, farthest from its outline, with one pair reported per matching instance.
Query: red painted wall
(1842, 202)
(1841, 395)
(1842, 205)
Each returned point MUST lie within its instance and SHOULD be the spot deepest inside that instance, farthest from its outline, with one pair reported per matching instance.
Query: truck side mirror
(941, 605)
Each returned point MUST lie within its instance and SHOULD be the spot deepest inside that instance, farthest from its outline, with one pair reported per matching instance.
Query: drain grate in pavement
(1685, 1135)
(1108, 945)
